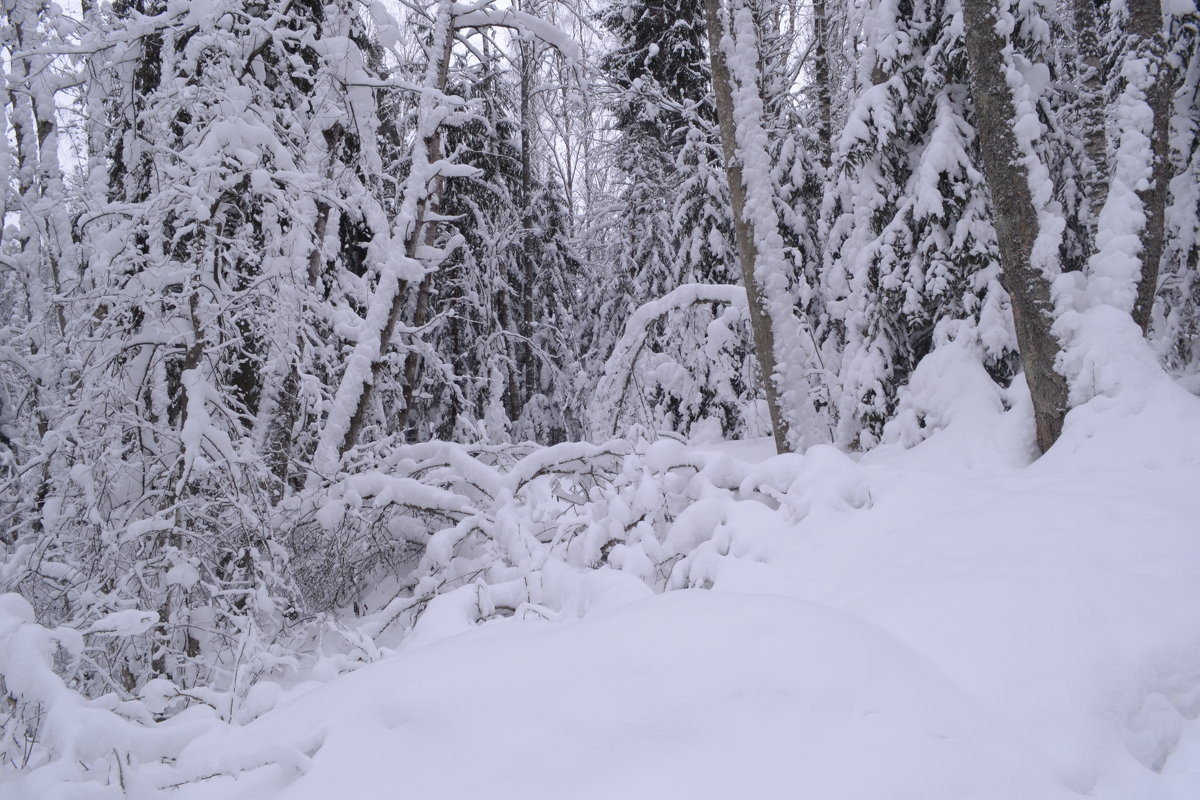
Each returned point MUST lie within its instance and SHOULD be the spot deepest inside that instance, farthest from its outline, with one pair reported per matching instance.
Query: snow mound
(689, 694)
(940, 618)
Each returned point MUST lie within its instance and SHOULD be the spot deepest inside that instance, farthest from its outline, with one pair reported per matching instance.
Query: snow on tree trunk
(1020, 228)
(781, 342)
(1130, 241)
(823, 78)
(396, 269)
(1087, 39)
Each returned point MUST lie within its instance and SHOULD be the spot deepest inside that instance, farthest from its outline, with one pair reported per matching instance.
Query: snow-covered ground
(938, 620)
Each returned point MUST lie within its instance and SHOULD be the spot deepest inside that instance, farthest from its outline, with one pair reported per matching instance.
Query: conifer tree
(1176, 317)
(674, 185)
(912, 252)
(496, 354)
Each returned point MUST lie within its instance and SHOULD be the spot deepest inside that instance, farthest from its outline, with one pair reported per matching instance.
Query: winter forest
(597, 398)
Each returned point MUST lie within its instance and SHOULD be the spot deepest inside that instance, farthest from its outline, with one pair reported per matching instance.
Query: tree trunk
(277, 443)
(1015, 218)
(760, 323)
(423, 233)
(44, 250)
(1146, 31)
(1095, 145)
(529, 370)
(821, 75)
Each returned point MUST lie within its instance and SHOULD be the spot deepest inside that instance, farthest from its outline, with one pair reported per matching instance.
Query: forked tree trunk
(760, 323)
(369, 354)
(1015, 219)
(423, 234)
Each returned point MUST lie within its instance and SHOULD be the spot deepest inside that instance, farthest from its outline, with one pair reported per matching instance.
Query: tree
(218, 225)
(1176, 323)
(784, 347)
(675, 219)
(1134, 210)
(1017, 220)
(910, 244)
(497, 353)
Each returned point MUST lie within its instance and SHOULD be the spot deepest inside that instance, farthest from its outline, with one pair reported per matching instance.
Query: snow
(124, 623)
(693, 694)
(939, 618)
(1116, 265)
(949, 615)
(795, 346)
(1178, 8)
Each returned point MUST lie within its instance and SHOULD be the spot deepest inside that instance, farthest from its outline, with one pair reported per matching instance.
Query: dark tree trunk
(278, 439)
(529, 370)
(1015, 219)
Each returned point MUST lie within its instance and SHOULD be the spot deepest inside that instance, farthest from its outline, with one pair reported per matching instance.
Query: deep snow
(938, 619)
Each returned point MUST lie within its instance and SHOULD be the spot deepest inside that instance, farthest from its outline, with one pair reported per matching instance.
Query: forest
(350, 338)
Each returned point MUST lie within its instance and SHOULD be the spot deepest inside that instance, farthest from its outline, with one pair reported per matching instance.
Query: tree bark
(1095, 144)
(529, 371)
(424, 232)
(821, 75)
(278, 439)
(760, 323)
(1015, 218)
(1148, 41)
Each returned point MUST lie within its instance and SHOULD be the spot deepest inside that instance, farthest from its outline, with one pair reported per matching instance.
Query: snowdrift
(940, 618)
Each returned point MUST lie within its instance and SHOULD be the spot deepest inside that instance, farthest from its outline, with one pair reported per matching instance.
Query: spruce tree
(674, 192)
(1176, 317)
(912, 252)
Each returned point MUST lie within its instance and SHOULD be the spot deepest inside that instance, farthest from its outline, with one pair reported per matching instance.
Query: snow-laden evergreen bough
(911, 239)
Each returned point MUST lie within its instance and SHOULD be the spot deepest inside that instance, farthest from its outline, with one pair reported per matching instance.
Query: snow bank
(941, 618)
(690, 694)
